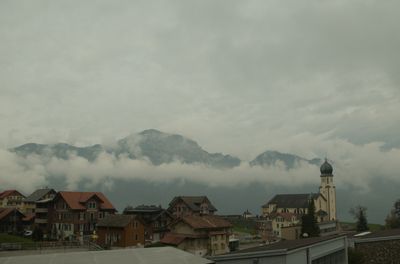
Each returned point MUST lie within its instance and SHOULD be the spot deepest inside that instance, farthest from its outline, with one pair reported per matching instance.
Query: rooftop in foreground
(138, 256)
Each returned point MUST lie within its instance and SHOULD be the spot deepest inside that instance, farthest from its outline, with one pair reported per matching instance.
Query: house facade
(191, 205)
(11, 199)
(121, 231)
(75, 214)
(11, 220)
(200, 235)
(29, 203)
(155, 219)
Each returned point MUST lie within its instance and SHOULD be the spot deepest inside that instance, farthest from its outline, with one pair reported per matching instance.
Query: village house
(155, 220)
(120, 231)
(11, 220)
(191, 205)
(75, 214)
(29, 203)
(200, 235)
(264, 229)
(11, 199)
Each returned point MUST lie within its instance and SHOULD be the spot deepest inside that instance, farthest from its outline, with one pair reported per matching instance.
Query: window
(136, 237)
(92, 205)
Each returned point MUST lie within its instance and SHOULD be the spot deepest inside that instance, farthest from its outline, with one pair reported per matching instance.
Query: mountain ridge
(161, 148)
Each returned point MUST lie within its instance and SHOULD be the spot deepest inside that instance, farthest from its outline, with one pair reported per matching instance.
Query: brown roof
(117, 220)
(8, 193)
(77, 200)
(4, 212)
(206, 222)
(193, 202)
(173, 239)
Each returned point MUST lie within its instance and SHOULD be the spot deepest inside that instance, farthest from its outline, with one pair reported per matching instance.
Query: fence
(43, 245)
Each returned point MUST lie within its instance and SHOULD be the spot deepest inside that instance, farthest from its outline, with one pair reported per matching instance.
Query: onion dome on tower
(326, 169)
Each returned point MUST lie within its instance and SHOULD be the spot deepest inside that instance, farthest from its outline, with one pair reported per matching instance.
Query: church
(285, 210)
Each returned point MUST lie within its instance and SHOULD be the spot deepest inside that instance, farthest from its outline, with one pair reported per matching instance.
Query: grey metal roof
(291, 200)
(37, 195)
(143, 209)
(289, 244)
(165, 255)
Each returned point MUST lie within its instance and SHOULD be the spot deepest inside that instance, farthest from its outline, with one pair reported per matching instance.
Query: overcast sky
(236, 76)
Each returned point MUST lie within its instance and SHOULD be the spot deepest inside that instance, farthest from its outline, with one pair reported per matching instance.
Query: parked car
(28, 233)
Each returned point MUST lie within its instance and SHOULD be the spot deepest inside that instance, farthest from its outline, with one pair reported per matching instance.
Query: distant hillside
(161, 148)
(153, 145)
(270, 158)
(60, 150)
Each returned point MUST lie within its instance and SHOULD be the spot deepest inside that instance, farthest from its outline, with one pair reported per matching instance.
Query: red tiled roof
(4, 212)
(173, 239)
(206, 222)
(8, 193)
(77, 200)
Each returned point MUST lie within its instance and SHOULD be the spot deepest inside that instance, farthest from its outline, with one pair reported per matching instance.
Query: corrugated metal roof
(164, 255)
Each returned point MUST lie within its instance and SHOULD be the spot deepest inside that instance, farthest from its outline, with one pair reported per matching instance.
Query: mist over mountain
(161, 148)
(152, 166)
(153, 145)
(290, 161)
(59, 150)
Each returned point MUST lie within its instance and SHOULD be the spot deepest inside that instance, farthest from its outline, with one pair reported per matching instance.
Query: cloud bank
(354, 165)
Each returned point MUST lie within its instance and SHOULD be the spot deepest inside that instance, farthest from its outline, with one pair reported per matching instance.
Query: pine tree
(360, 214)
(362, 224)
(393, 219)
(309, 223)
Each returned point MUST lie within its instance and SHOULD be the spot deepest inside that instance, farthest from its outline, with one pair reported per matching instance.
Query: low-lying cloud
(354, 165)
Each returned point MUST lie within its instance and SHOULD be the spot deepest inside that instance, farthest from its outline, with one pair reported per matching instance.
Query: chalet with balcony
(155, 219)
(29, 203)
(191, 205)
(11, 199)
(75, 214)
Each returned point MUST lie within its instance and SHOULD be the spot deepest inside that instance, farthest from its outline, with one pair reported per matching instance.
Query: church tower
(328, 190)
